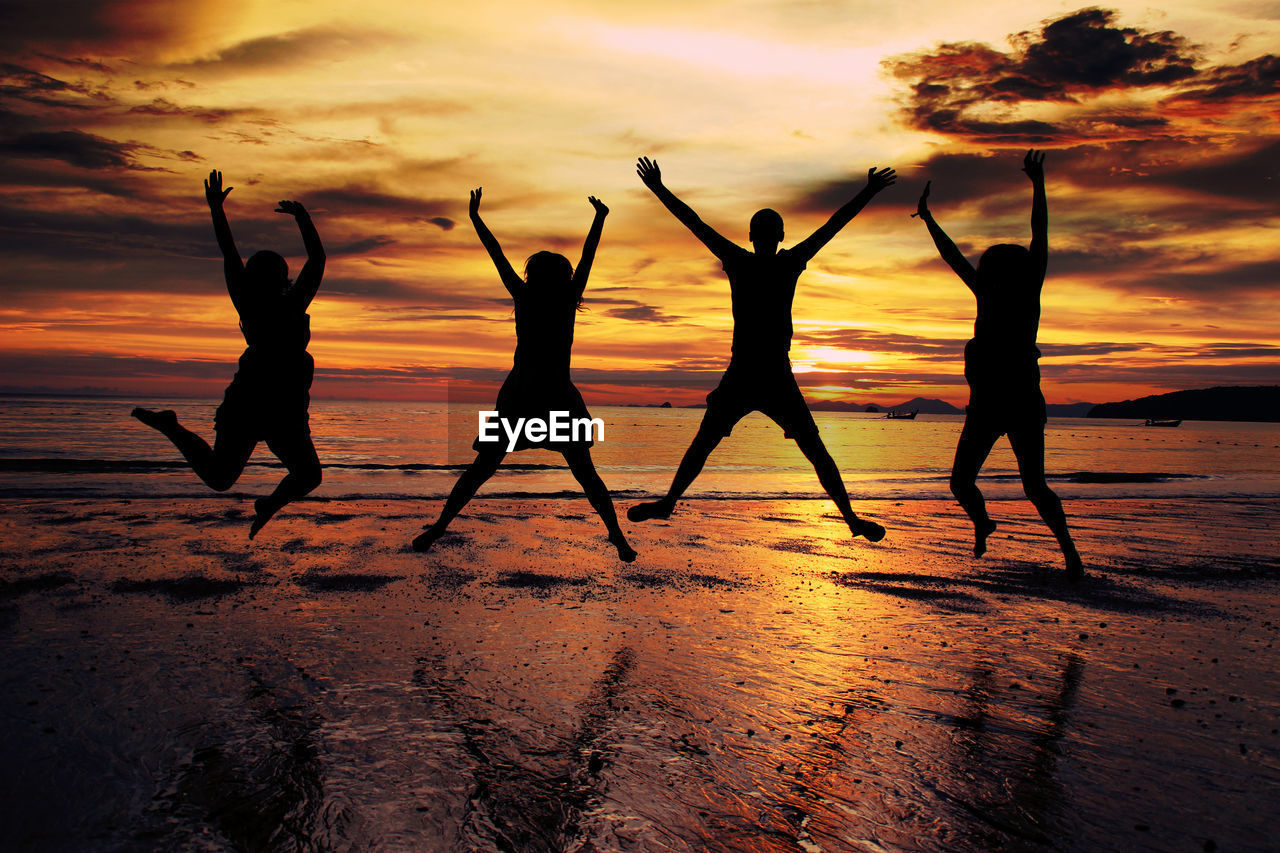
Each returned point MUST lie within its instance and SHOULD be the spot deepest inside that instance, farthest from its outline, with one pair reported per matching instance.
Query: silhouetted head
(766, 229)
(548, 273)
(1004, 264)
(267, 272)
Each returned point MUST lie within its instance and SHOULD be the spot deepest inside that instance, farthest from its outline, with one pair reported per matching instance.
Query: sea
(85, 447)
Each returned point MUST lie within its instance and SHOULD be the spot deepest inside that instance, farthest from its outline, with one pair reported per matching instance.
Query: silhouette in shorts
(546, 302)
(268, 398)
(762, 284)
(1002, 369)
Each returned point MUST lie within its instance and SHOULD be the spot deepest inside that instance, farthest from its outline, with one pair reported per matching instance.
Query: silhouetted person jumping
(546, 303)
(268, 398)
(762, 284)
(1001, 366)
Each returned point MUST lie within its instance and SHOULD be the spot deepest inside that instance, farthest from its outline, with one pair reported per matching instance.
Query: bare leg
(218, 466)
(971, 451)
(480, 470)
(695, 457)
(584, 470)
(298, 454)
(1028, 447)
(829, 475)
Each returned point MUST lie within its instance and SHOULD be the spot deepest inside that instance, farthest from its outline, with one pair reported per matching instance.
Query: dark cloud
(956, 177)
(628, 309)
(974, 91)
(1251, 172)
(1257, 77)
(74, 147)
(298, 46)
(1173, 375)
(353, 200)
(18, 82)
(869, 340)
(1085, 50)
(363, 246)
(86, 150)
(1214, 285)
(164, 108)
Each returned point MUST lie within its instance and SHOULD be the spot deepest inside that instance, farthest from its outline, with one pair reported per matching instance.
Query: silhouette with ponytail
(546, 302)
(1001, 367)
(269, 396)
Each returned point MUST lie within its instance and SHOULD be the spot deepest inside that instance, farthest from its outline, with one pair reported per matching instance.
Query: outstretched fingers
(648, 171)
(290, 207)
(474, 206)
(601, 208)
(878, 179)
(213, 190)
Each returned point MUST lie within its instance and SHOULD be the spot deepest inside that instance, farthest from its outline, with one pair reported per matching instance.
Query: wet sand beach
(755, 681)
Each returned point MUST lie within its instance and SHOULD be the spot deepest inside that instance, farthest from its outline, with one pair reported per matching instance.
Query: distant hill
(835, 406)
(1070, 410)
(926, 406)
(1240, 403)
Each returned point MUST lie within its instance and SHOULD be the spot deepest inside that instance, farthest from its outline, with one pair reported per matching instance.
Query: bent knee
(309, 478)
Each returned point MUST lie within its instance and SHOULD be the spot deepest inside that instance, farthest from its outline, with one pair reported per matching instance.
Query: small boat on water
(902, 416)
(1163, 422)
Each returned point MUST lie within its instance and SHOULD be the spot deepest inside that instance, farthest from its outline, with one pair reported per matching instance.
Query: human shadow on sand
(344, 582)
(522, 797)
(1025, 580)
(260, 789)
(191, 588)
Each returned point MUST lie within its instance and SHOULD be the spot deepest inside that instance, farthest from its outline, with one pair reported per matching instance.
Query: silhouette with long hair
(762, 284)
(1002, 368)
(546, 303)
(268, 398)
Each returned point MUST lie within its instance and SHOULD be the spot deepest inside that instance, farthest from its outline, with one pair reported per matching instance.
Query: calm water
(90, 446)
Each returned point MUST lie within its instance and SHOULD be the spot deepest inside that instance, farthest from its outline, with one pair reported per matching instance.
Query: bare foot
(652, 509)
(980, 534)
(859, 527)
(626, 553)
(1075, 569)
(163, 421)
(426, 539)
(263, 509)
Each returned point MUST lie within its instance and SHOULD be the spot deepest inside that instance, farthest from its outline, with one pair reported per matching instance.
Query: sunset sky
(1162, 127)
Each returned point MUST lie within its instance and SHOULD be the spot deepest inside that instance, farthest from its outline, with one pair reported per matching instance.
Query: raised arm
(876, 181)
(1033, 165)
(652, 176)
(946, 248)
(308, 280)
(583, 269)
(510, 280)
(232, 265)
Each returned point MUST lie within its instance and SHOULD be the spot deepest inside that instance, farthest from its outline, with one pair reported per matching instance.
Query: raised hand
(213, 191)
(601, 209)
(474, 207)
(922, 206)
(1033, 165)
(649, 172)
(878, 180)
(293, 208)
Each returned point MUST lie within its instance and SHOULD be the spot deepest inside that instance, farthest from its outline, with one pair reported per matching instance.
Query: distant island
(1228, 403)
(1233, 403)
